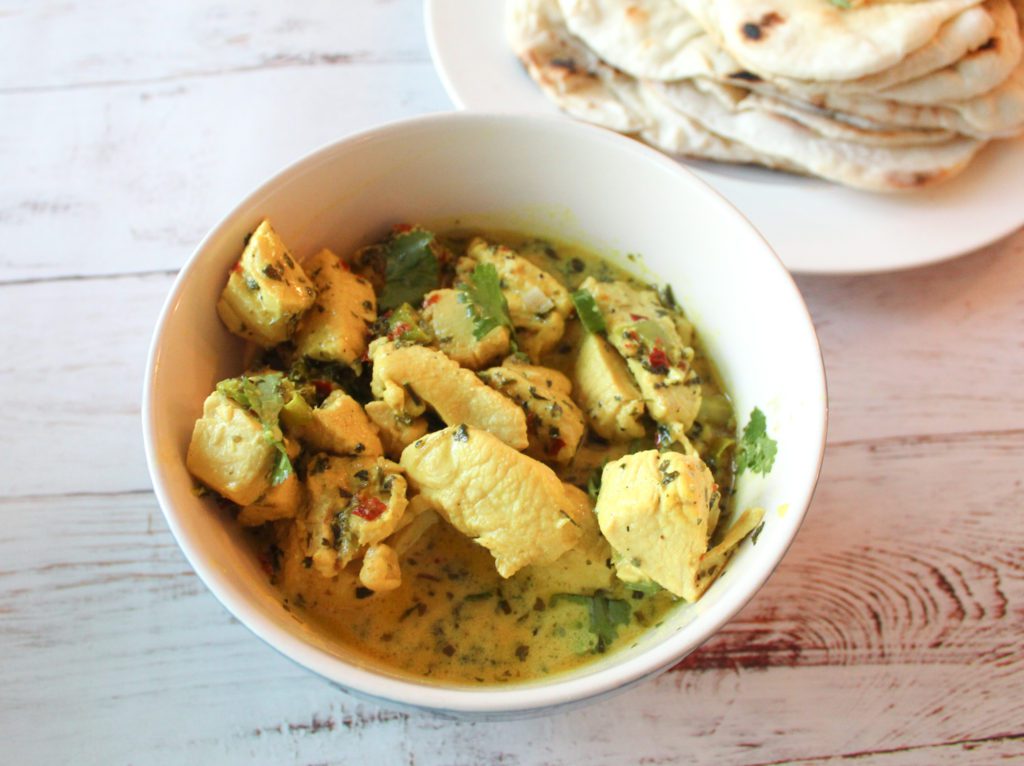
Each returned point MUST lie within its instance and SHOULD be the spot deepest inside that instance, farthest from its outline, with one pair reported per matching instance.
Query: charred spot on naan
(755, 30)
(744, 75)
(915, 180)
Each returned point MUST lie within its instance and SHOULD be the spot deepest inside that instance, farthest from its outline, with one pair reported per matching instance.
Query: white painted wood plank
(933, 350)
(129, 179)
(893, 623)
(50, 45)
(72, 371)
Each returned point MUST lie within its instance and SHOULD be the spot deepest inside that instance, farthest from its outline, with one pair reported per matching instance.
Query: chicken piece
(584, 567)
(538, 304)
(554, 422)
(658, 511)
(353, 503)
(267, 291)
(336, 328)
(646, 335)
(396, 431)
(380, 570)
(419, 517)
(228, 451)
(339, 425)
(448, 316)
(606, 392)
(278, 502)
(511, 504)
(455, 393)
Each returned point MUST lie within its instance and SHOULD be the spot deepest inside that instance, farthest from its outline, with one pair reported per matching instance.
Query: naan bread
(976, 72)
(817, 40)
(568, 73)
(863, 166)
(643, 38)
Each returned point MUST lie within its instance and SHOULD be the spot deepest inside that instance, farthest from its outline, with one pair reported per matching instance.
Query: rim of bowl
(521, 697)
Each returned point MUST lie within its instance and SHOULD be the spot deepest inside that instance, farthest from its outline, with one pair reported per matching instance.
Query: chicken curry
(469, 458)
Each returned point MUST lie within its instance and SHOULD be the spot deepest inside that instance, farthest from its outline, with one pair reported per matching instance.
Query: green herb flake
(756, 533)
(757, 450)
(487, 305)
(588, 312)
(606, 615)
(262, 395)
(411, 268)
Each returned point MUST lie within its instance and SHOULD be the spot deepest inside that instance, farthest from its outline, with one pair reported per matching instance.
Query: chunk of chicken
(455, 393)
(537, 303)
(280, 502)
(449, 318)
(513, 505)
(585, 566)
(396, 431)
(380, 570)
(336, 328)
(339, 425)
(267, 291)
(353, 503)
(554, 422)
(606, 392)
(646, 335)
(657, 510)
(228, 451)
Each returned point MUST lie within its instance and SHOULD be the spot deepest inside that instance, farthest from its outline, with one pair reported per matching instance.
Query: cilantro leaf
(757, 449)
(606, 615)
(487, 305)
(262, 395)
(588, 312)
(411, 268)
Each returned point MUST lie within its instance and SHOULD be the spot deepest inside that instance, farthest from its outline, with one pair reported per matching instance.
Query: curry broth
(454, 619)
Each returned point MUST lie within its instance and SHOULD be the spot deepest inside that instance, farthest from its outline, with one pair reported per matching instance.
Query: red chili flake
(631, 335)
(369, 507)
(237, 267)
(323, 387)
(714, 487)
(431, 300)
(637, 317)
(401, 228)
(658, 361)
(556, 445)
(399, 330)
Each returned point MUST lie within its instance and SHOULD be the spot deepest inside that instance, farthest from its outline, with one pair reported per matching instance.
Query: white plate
(814, 226)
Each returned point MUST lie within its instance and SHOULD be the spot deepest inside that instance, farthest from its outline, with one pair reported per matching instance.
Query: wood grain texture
(59, 46)
(892, 634)
(954, 379)
(865, 641)
(97, 169)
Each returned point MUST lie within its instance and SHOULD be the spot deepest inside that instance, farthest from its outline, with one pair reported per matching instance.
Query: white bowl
(548, 177)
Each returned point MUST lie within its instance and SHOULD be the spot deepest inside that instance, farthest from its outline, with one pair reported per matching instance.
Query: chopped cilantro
(757, 449)
(588, 312)
(606, 615)
(262, 395)
(404, 325)
(411, 268)
(487, 305)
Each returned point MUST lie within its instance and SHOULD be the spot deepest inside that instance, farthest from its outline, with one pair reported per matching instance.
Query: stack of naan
(875, 94)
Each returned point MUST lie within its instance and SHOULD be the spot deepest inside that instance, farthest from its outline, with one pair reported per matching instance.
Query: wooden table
(893, 632)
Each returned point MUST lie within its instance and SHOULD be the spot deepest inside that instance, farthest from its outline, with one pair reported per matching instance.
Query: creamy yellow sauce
(454, 619)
